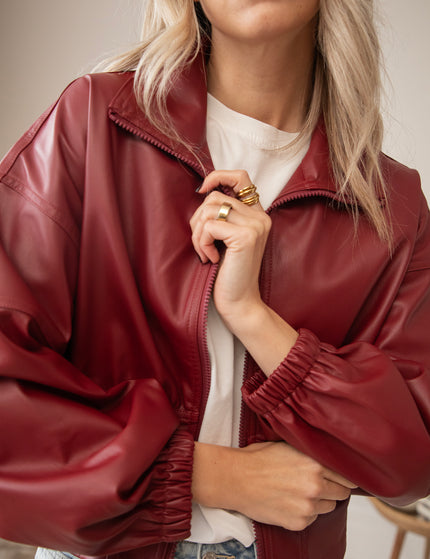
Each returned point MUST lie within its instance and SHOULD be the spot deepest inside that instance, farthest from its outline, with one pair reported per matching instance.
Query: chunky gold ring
(251, 200)
(248, 195)
(223, 212)
(247, 191)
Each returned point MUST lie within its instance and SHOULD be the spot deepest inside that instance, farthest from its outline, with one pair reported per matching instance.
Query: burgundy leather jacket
(103, 361)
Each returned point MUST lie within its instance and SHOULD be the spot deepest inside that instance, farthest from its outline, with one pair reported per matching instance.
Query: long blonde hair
(346, 89)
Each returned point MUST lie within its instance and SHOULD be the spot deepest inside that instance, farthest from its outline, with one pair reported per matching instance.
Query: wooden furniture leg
(397, 548)
(405, 522)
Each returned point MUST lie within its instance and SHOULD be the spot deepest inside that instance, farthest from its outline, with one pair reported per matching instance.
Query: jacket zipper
(204, 356)
(203, 344)
(276, 204)
(243, 433)
(210, 280)
(126, 125)
(302, 194)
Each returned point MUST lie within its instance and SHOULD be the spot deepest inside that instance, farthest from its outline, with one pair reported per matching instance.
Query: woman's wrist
(266, 336)
(213, 481)
(242, 318)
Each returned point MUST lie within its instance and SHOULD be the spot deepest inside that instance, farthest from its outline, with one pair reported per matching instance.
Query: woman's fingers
(207, 228)
(338, 479)
(324, 507)
(235, 179)
(334, 491)
(207, 212)
(243, 229)
(211, 204)
(285, 487)
(272, 483)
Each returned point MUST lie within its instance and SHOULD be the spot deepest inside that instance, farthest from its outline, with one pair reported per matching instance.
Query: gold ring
(251, 200)
(246, 191)
(248, 195)
(223, 212)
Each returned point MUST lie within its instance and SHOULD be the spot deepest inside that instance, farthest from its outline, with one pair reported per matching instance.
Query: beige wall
(406, 44)
(46, 43)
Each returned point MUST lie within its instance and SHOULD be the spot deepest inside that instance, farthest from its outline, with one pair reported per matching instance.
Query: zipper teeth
(204, 355)
(205, 358)
(299, 195)
(256, 529)
(242, 437)
(126, 125)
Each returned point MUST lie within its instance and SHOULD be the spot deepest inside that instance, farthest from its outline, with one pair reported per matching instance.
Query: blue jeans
(226, 550)
(42, 553)
(185, 550)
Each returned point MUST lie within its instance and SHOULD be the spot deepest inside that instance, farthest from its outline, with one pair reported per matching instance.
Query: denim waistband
(43, 553)
(231, 549)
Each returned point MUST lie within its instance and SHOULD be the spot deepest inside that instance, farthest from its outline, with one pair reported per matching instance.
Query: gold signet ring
(223, 212)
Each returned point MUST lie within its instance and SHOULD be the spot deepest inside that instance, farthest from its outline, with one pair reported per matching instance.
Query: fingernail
(198, 188)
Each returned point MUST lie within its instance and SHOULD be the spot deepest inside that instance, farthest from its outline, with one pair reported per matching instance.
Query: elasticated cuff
(171, 488)
(262, 394)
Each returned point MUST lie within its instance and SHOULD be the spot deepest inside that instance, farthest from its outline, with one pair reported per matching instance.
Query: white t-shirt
(236, 141)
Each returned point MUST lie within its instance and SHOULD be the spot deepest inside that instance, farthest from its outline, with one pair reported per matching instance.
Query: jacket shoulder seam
(25, 140)
(44, 206)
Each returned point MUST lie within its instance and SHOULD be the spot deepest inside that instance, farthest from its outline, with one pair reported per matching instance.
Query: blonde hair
(346, 88)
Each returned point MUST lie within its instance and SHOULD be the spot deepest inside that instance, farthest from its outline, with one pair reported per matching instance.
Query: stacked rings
(248, 195)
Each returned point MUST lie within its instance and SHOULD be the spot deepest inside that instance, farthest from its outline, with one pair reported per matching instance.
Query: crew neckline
(260, 134)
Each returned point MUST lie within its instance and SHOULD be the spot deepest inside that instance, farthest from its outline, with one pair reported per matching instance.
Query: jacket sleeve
(81, 468)
(362, 410)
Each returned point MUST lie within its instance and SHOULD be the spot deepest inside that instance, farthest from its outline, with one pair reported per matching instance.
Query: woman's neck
(269, 82)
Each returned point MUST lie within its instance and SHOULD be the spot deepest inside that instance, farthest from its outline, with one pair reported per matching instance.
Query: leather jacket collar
(186, 104)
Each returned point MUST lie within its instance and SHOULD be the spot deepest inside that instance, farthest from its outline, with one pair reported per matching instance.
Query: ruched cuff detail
(262, 394)
(170, 493)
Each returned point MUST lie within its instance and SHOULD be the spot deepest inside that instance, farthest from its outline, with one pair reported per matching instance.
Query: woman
(127, 338)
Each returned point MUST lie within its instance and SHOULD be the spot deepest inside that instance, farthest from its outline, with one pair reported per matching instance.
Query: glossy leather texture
(103, 363)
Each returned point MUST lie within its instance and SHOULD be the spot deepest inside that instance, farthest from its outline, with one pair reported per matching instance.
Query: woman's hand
(236, 291)
(244, 234)
(268, 482)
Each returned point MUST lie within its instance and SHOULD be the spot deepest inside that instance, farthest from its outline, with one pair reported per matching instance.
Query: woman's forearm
(266, 336)
(268, 482)
(236, 291)
(213, 474)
